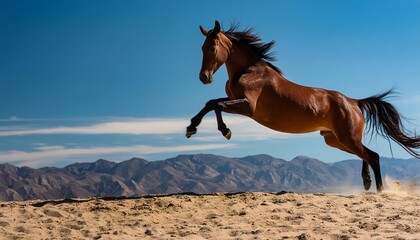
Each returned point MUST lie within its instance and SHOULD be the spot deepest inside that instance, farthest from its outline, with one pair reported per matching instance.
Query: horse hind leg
(367, 180)
(353, 143)
(374, 163)
(331, 140)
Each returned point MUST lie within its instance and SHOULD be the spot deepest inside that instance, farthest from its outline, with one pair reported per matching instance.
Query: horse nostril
(203, 77)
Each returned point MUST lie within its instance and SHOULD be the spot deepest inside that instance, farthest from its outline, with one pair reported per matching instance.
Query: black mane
(254, 43)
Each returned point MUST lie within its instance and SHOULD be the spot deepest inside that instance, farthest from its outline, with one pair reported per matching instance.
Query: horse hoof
(190, 133)
(367, 183)
(228, 134)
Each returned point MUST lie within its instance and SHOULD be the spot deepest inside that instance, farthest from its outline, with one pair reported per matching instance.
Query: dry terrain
(251, 215)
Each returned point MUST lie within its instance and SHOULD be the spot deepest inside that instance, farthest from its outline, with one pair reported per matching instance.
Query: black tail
(385, 120)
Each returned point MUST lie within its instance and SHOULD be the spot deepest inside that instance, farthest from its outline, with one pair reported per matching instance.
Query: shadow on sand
(76, 200)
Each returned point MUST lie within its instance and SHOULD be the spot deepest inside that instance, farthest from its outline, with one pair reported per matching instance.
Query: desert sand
(258, 215)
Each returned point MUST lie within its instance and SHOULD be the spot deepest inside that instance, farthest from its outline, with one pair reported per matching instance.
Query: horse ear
(203, 31)
(216, 27)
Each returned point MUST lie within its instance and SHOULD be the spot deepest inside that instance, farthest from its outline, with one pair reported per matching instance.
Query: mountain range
(201, 173)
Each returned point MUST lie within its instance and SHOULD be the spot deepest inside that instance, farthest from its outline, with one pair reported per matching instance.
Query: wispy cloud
(11, 119)
(243, 128)
(134, 127)
(164, 135)
(60, 153)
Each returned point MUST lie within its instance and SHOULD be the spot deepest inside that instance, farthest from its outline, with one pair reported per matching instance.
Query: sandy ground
(389, 215)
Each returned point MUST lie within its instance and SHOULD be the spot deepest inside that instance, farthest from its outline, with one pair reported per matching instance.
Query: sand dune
(390, 215)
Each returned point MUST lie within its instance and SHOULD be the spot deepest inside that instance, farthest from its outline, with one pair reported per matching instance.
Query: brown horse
(259, 90)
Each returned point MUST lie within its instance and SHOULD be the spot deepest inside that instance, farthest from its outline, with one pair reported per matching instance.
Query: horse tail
(384, 119)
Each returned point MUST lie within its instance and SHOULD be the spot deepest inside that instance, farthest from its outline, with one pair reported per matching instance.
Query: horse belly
(294, 126)
(289, 117)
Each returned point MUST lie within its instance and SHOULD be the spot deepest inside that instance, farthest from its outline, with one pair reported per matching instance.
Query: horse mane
(253, 41)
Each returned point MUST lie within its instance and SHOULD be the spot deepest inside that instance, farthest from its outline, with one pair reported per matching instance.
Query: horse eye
(213, 48)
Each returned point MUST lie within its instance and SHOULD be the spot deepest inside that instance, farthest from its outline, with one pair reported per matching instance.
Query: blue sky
(83, 80)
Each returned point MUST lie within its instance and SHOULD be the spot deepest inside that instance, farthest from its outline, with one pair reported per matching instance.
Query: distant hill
(199, 173)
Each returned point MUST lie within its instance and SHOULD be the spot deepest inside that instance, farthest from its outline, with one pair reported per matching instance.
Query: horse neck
(240, 59)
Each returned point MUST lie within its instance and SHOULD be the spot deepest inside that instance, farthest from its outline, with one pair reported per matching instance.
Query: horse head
(216, 50)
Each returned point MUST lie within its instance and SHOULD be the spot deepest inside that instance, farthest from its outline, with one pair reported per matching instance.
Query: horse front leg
(221, 126)
(211, 105)
(238, 106)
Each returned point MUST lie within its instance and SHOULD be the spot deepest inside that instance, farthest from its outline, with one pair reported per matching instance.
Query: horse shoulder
(241, 87)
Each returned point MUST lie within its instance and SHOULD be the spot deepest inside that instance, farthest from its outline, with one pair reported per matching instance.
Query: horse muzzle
(206, 77)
